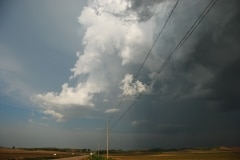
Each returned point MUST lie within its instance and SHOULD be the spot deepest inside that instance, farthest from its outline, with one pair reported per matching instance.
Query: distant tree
(13, 147)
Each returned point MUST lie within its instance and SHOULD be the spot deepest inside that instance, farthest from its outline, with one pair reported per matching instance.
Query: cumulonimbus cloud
(113, 41)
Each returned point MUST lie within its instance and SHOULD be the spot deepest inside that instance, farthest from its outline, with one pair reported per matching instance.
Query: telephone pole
(98, 151)
(107, 139)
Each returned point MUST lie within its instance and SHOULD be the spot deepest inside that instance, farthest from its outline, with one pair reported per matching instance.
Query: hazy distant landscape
(216, 153)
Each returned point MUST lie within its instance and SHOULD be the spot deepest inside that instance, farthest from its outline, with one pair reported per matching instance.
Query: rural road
(73, 158)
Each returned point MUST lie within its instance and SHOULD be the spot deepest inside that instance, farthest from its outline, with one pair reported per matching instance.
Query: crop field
(20, 154)
(182, 155)
(187, 154)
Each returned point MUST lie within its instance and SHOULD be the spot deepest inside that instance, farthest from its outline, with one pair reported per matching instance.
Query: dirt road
(74, 158)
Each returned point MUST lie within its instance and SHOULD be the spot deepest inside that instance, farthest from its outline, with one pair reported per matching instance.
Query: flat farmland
(182, 155)
(20, 154)
(191, 154)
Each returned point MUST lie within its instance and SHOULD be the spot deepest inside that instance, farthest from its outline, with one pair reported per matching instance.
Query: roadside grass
(95, 157)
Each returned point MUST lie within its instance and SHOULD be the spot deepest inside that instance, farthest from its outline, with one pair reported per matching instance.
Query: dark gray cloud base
(196, 97)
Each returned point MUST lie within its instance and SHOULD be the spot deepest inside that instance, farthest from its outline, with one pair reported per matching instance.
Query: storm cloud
(197, 84)
(113, 70)
(198, 90)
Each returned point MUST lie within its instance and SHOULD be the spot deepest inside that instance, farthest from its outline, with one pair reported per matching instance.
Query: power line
(155, 41)
(186, 36)
(128, 109)
(148, 53)
(162, 67)
(119, 104)
(144, 61)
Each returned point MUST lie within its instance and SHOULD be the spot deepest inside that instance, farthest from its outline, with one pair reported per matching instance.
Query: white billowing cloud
(111, 110)
(105, 35)
(108, 34)
(116, 6)
(114, 38)
(54, 114)
(134, 45)
(81, 95)
(131, 88)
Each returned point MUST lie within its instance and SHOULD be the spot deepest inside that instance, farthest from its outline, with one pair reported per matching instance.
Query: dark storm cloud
(226, 86)
(199, 84)
(209, 69)
(218, 50)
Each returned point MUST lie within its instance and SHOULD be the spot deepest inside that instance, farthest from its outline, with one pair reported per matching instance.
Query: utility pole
(107, 139)
(98, 151)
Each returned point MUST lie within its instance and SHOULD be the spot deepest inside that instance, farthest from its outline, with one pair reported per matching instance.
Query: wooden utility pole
(107, 139)
(98, 151)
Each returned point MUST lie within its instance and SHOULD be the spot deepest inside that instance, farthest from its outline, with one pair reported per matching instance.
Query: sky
(69, 67)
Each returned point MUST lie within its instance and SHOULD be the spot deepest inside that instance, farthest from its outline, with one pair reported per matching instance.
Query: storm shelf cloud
(108, 59)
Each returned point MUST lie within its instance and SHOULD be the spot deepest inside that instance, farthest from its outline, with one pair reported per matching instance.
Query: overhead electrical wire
(140, 68)
(148, 53)
(155, 41)
(176, 49)
(144, 61)
(186, 36)
(162, 67)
